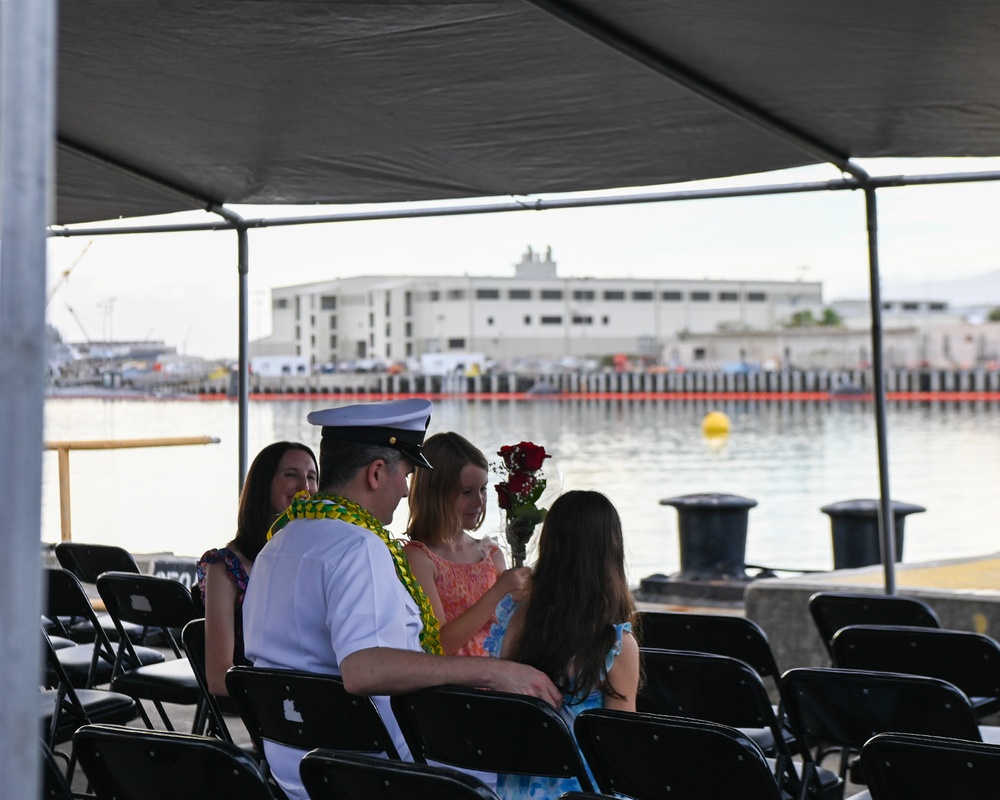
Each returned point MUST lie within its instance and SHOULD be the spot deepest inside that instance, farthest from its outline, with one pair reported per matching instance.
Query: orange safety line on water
(963, 397)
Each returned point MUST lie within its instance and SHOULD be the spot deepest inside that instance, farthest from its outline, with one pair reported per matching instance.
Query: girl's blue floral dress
(526, 787)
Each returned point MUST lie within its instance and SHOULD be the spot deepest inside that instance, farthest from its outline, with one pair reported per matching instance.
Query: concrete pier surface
(964, 592)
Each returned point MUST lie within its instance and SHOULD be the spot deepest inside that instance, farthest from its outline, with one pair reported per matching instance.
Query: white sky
(182, 287)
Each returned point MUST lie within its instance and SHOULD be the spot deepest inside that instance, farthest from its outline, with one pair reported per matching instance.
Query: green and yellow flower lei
(323, 505)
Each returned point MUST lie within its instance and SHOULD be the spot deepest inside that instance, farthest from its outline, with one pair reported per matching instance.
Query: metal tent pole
(27, 131)
(886, 520)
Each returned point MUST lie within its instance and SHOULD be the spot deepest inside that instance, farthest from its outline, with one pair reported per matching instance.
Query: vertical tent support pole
(243, 376)
(27, 134)
(885, 517)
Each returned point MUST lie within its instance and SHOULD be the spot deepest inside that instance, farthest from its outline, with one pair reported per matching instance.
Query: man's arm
(385, 670)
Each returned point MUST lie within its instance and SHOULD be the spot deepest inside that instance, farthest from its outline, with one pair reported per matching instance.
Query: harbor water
(791, 457)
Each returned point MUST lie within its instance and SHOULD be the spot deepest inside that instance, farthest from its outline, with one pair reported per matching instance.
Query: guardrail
(63, 448)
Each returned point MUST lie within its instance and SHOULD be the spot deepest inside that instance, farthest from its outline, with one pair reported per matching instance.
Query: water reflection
(792, 457)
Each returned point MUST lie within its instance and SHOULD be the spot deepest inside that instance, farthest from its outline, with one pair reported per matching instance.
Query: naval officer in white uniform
(331, 591)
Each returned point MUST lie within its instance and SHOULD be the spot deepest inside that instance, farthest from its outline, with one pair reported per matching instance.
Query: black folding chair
(901, 766)
(55, 785)
(125, 763)
(152, 601)
(306, 711)
(193, 639)
(728, 692)
(70, 609)
(87, 561)
(652, 757)
(832, 611)
(969, 660)
(846, 707)
(489, 731)
(63, 708)
(329, 775)
(722, 634)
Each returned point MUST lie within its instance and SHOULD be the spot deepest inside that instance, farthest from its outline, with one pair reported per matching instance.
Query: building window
(701, 297)
(489, 320)
(519, 294)
(434, 295)
(911, 306)
(408, 303)
(371, 341)
(409, 349)
(937, 306)
(487, 294)
(583, 294)
(555, 320)
(672, 297)
(552, 294)
(312, 320)
(388, 330)
(298, 333)
(642, 296)
(757, 297)
(328, 303)
(388, 304)
(333, 322)
(527, 319)
(312, 341)
(456, 294)
(333, 342)
(409, 330)
(605, 320)
(729, 297)
(456, 344)
(614, 294)
(280, 302)
(388, 350)
(699, 354)
(371, 320)
(580, 320)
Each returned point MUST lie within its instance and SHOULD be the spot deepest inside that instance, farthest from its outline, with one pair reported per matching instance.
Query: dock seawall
(920, 384)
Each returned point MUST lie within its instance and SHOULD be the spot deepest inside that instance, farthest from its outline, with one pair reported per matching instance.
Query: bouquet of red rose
(518, 495)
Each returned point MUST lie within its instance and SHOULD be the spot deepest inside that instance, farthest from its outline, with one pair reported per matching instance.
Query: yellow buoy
(715, 423)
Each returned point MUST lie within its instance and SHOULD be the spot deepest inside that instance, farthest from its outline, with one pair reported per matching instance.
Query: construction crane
(65, 277)
(86, 336)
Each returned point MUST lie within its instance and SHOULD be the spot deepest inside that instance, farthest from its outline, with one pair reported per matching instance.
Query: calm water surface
(792, 458)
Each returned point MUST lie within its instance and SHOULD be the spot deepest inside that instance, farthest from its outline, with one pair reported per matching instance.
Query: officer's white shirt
(319, 591)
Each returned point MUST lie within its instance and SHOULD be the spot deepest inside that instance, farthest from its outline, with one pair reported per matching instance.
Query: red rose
(520, 484)
(503, 498)
(532, 456)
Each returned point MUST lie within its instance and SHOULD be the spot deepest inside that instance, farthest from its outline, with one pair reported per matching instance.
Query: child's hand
(514, 581)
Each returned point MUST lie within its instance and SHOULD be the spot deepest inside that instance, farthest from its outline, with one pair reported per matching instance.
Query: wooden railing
(63, 449)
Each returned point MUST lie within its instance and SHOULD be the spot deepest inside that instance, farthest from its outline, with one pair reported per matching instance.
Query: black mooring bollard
(713, 536)
(856, 538)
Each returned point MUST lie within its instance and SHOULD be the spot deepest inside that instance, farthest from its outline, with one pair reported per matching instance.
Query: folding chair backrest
(148, 600)
(969, 660)
(651, 757)
(722, 634)
(87, 561)
(709, 687)
(137, 764)
(847, 707)
(489, 731)
(193, 639)
(305, 710)
(329, 775)
(832, 611)
(899, 766)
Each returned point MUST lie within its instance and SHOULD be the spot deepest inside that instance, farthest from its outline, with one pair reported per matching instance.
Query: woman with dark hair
(574, 622)
(278, 472)
(463, 577)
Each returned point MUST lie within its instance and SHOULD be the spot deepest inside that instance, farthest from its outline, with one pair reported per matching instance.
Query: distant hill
(977, 291)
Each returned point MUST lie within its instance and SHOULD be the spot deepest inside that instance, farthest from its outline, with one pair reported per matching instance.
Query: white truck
(468, 364)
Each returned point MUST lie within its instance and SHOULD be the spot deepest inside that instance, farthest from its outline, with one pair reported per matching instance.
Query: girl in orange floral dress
(464, 577)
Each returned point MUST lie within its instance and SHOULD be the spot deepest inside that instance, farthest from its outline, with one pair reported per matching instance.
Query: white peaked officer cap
(398, 423)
